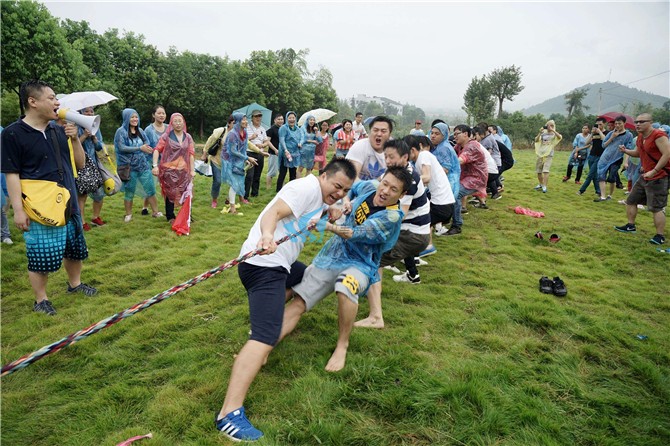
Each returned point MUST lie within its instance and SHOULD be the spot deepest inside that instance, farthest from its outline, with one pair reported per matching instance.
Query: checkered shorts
(46, 246)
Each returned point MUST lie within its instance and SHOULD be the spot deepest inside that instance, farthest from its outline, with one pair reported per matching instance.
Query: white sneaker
(157, 214)
(127, 218)
(442, 231)
(405, 278)
(418, 261)
(392, 268)
(8, 241)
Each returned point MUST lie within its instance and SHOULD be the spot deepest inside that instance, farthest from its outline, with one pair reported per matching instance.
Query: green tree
(574, 101)
(478, 100)
(410, 114)
(35, 47)
(373, 109)
(505, 84)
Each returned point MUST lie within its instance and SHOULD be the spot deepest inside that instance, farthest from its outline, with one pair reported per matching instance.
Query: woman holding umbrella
(310, 139)
(130, 144)
(233, 156)
(177, 164)
(290, 143)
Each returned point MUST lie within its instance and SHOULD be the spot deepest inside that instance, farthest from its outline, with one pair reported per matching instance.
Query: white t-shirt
(373, 164)
(490, 162)
(304, 198)
(439, 187)
(261, 135)
(359, 130)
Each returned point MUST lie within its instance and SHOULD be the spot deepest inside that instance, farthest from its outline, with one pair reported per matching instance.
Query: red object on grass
(529, 212)
(182, 224)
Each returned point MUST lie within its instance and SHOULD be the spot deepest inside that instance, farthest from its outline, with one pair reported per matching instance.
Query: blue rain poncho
(504, 137)
(633, 171)
(378, 234)
(308, 148)
(446, 155)
(612, 154)
(89, 146)
(579, 141)
(289, 139)
(128, 149)
(233, 156)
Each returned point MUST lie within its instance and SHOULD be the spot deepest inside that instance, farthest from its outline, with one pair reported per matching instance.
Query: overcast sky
(422, 53)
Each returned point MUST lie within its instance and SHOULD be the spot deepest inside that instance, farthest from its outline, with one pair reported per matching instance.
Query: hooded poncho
(289, 139)
(233, 156)
(308, 148)
(128, 149)
(174, 170)
(446, 155)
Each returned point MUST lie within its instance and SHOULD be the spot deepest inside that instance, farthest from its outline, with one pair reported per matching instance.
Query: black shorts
(441, 213)
(409, 244)
(266, 290)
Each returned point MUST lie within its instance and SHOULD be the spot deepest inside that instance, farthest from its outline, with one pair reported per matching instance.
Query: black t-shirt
(366, 209)
(596, 145)
(26, 151)
(273, 134)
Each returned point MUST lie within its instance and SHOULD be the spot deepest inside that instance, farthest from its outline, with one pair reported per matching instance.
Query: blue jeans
(462, 192)
(593, 174)
(216, 180)
(5, 225)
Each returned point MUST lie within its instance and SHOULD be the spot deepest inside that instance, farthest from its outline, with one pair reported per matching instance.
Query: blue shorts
(46, 246)
(266, 289)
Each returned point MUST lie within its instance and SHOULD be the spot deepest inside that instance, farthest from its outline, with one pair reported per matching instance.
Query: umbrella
(368, 120)
(84, 99)
(320, 114)
(611, 116)
(266, 120)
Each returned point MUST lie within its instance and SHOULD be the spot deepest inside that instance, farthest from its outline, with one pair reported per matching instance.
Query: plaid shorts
(46, 246)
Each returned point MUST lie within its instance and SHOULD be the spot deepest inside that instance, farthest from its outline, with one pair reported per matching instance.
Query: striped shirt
(417, 219)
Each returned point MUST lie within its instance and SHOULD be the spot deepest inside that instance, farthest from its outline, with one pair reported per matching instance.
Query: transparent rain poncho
(446, 155)
(376, 235)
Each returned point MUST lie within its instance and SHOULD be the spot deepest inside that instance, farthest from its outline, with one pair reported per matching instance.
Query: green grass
(475, 355)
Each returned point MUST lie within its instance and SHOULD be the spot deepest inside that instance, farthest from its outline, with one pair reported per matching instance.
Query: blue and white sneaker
(429, 251)
(236, 426)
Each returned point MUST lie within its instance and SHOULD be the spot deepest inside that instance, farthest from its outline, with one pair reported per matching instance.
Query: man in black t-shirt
(596, 140)
(28, 153)
(273, 160)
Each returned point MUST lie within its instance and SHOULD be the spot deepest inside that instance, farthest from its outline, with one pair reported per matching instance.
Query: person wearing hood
(177, 164)
(233, 157)
(219, 135)
(446, 155)
(154, 131)
(505, 139)
(131, 143)
(290, 143)
(310, 138)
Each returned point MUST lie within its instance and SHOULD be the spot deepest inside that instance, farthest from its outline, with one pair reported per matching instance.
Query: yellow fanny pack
(46, 202)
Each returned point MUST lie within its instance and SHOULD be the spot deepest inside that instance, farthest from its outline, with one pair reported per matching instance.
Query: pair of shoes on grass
(555, 287)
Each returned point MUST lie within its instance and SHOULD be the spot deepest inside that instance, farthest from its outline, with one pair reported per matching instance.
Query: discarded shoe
(559, 288)
(554, 238)
(546, 285)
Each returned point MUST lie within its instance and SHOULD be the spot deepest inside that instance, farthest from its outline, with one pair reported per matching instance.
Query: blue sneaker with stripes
(236, 426)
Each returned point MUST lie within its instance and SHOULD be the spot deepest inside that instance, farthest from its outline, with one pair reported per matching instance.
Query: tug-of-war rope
(28, 359)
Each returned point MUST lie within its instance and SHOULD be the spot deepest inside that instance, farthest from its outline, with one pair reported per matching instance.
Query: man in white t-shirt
(358, 127)
(367, 155)
(259, 138)
(267, 278)
(417, 130)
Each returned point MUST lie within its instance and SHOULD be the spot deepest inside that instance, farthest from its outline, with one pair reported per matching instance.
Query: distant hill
(615, 97)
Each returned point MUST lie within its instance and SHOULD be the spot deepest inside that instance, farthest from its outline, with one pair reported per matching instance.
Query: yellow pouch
(46, 202)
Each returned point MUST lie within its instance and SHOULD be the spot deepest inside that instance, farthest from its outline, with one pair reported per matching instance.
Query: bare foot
(370, 322)
(337, 360)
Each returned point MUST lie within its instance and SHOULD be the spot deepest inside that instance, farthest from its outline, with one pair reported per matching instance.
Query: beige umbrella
(320, 114)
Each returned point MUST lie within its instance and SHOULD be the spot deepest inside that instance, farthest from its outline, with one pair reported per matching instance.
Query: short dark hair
(31, 89)
(382, 118)
(399, 145)
(483, 125)
(402, 174)
(424, 140)
(480, 130)
(412, 141)
(436, 121)
(340, 165)
(359, 114)
(277, 115)
(463, 129)
(620, 118)
(345, 120)
(603, 120)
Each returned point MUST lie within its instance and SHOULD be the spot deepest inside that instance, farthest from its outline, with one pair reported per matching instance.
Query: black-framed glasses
(256, 116)
(642, 122)
(456, 134)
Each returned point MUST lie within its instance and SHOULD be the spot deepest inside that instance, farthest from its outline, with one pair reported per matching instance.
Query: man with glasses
(612, 157)
(259, 138)
(651, 188)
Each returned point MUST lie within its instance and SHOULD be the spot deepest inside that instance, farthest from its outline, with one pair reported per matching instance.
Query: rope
(28, 359)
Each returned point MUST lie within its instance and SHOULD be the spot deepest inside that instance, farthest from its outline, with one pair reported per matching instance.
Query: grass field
(474, 355)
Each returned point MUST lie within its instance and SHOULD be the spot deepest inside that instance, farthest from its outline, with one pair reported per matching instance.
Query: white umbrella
(320, 114)
(85, 99)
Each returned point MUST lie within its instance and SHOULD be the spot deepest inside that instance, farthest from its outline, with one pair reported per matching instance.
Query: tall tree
(478, 99)
(505, 84)
(35, 47)
(574, 101)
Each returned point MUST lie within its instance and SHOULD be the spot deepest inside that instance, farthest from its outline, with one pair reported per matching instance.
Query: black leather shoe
(546, 285)
(559, 287)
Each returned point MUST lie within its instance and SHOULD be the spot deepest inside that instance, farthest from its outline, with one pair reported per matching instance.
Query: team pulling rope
(28, 359)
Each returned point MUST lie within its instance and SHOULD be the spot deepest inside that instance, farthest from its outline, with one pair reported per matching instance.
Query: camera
(545, 127)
